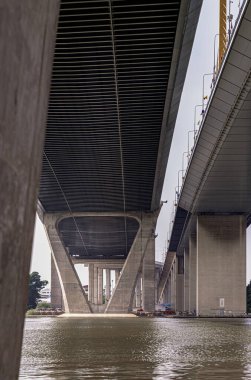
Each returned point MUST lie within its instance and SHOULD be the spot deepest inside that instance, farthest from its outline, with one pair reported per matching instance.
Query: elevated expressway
(214, 204)
(118, 73)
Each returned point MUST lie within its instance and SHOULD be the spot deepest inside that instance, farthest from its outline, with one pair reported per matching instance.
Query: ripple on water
(116, 348)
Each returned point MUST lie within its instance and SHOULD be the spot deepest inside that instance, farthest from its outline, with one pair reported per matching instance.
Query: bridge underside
(112, 65)
(98, 237)
(215, 203)
(118, 73)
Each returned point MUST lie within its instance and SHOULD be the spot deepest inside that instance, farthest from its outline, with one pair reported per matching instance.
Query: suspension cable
(66, 201)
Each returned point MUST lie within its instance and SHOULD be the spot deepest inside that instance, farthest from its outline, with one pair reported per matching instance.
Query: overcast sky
(201, 62)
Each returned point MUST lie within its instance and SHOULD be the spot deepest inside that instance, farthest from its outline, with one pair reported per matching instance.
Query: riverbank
(93, 315)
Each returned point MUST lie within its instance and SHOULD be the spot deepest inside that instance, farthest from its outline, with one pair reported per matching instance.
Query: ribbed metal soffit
(98, 237)
(110, 73)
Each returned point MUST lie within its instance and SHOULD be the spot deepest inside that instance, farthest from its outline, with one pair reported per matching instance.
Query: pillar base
(74, 298)
(221, 265)
(121, 300)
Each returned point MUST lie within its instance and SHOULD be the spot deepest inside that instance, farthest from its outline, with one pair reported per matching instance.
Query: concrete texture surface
(74, 298)
(148, 277)
(121, 300)
(28, 30)
(221, 265)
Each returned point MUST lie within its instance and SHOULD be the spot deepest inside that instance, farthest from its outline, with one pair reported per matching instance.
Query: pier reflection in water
(136, 348)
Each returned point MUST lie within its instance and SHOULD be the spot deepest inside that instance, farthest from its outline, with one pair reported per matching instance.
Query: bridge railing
(216, 76)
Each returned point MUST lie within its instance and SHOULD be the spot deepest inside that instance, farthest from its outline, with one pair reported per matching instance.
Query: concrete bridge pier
(173, 283)
(91, 283)
(192, 273)
(148, 277)
(186, 279)
(108, 284)
(28, 31)
(121, 300)
(221, 265)
(100, 285)
(180, 283)
(138, 301)
(215, 266)
(56, 292)
(138, 272)
(117, 274)
(74, 298)
(165, 277)
(166, 294)
(95, 285)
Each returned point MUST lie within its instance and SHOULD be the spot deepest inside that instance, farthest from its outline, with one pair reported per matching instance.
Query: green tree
(35, 285)
(249, 297)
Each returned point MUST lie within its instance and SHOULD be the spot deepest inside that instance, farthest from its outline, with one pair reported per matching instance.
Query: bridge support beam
(138, 292)
(108, 284)
(95, 285)
(100, 286)
(221, 265)
(165, 276)
(117, 274)
(173, 284)
(56, 292)
(192, 273)
(180, 284)
(121, 300)
(91, 283)
(74, 299)
(148, 277)
(186, 279)
(26, 50)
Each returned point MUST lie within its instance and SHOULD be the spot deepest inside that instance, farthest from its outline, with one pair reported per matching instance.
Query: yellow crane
(222, 30)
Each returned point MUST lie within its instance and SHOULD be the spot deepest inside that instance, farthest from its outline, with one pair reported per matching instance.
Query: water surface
(136, 348)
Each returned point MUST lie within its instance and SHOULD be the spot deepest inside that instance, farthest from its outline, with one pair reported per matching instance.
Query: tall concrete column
(221, 265)
(74, 298)
(95, 286)
(168, 290)
(192, 273)
(117, 274)
(180, 284)
(28, 30)
(186, 279)
(170, 257)
(163, 298)
(148, 277)
(166, 294)
(91, 283)
(108, 284)
(138, 292)
(173, 285)
(100, 286)
(56, 292)
(157, 279)
(122, 297)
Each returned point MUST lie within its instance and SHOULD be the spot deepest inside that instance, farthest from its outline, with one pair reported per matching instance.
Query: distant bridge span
(214, 203)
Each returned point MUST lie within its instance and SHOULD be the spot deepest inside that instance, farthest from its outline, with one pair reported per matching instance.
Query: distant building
(45, 294)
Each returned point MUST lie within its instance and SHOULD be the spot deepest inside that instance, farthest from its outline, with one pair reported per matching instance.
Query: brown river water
(136, 348)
